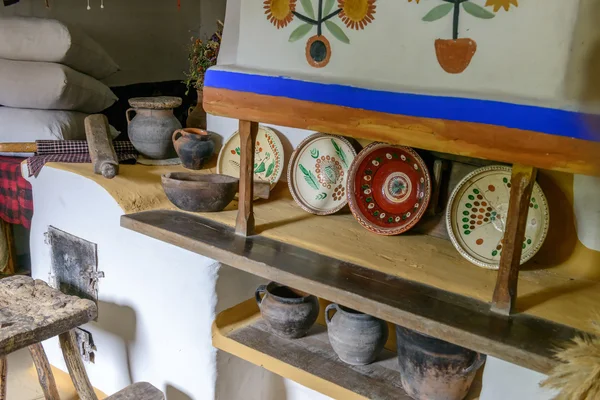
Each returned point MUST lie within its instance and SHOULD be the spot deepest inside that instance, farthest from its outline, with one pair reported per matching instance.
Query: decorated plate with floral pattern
(268, 157)
(318, 171)
(388, 188)
(476, 217)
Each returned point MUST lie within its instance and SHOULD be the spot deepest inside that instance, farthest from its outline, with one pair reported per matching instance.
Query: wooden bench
(31, 312)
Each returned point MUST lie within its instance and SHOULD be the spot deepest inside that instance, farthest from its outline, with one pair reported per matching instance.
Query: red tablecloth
(16, 200)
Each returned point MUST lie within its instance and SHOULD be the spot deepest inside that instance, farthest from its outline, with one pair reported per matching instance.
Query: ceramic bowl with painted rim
(318, 172)
(476, 217)
(389, 188)
(268, 156)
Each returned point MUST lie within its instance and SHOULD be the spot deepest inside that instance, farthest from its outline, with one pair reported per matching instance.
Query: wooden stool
(31, 312)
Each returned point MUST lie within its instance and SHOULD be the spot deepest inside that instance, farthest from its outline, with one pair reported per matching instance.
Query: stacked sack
(49, 80)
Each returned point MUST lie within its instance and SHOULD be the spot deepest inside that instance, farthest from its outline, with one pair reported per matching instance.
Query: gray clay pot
(288, 312)
(151, 130)
(432, 369)
(356, 338)
(199, 193)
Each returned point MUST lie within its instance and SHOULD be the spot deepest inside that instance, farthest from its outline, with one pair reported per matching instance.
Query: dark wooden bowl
(198, 192)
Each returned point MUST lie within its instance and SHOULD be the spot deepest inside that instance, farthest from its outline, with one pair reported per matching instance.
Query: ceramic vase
(193, 146)
(288, 312)
(432, 369)
(356, 338)
(196, 115)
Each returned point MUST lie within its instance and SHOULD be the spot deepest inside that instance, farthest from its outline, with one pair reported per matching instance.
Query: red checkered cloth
(16, 200)
(72, 151)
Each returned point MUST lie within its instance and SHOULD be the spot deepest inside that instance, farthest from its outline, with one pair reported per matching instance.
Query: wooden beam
(505, 293)
(70, 350)
(245, 219)
(492, 142)
(3, 381)
(44, 371)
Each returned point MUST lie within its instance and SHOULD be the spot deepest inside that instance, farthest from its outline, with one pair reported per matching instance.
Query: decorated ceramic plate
(388, 188)
(318, 171)
(268, 157)
(476, 217)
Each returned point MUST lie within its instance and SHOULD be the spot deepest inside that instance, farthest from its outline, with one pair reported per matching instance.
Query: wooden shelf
(310, 360)
(318, 256)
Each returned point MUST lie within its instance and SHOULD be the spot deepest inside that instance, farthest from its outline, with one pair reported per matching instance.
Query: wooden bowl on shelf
(199, 192)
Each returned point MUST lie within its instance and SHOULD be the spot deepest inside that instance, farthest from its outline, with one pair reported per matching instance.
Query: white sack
(47, 86)
(39, 39)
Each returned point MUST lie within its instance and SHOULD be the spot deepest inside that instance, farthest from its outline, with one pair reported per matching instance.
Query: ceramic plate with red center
(388, 188)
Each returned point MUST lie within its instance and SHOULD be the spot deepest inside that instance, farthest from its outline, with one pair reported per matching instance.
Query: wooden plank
(70, 350)
(522, 339)
(31, 312)
(505, 293)
(469, 139)
(138, 391)
(44, 372)
(245, 219)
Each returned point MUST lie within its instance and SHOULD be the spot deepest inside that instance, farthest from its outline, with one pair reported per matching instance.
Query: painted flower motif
(408, 214)
(388, 156)
(356, 14)
(416, 205)
(367, 178)
(382, 215)
(416, 167)
(338, 193)
(371, 206)
(497, 4)
(422, 180)
(367, 191)
(375, 163)
(421, 194)
(403, 157)
(397, 219)
(279, 12)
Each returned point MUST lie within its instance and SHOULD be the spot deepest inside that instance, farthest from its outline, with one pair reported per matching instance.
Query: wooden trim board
(521, 339)
(468, 139)
(310, 360)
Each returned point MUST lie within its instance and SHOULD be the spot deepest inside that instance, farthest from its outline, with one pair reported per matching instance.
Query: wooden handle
(23, 147)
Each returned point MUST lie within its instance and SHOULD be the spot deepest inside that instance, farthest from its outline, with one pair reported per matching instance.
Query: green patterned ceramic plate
(476, 217)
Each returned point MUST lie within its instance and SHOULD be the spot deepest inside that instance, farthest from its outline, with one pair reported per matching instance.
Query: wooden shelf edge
(521, 339)
(470, 139)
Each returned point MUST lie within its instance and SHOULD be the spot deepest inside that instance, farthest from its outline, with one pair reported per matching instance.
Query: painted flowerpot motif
(454, 55)
(355, 14)
(318, 171)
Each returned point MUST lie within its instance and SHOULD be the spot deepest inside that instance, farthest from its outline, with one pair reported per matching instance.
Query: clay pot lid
(155, 103)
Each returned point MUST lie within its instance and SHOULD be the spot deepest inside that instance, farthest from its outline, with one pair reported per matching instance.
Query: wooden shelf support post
(505, 293)
(244, 224)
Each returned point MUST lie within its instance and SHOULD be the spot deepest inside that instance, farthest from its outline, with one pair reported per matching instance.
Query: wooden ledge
(522, 339)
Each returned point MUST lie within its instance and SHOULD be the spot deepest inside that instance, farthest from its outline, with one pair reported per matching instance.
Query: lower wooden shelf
(310, 360)
(521, 339)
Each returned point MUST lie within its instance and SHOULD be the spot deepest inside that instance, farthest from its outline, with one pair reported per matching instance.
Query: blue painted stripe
(532, 118)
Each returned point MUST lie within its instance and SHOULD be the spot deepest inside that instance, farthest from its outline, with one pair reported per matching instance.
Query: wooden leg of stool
(44, 371)
(3, 383)
(79, 376)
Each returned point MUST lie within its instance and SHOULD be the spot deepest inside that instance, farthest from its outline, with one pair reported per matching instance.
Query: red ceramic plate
(388, 188)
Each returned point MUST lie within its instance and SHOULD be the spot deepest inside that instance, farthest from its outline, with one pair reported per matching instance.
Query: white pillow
(47, 86)
(22, 125)
(39, 39)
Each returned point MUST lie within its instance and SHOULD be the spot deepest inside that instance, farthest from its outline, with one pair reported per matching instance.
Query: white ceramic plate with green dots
(476, 217)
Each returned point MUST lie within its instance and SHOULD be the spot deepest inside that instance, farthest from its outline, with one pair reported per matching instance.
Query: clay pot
(432, 369)
(199, 193)
(196, 115)
(193, 146)
(151, 129)
(288, 312)
(454, 56)
(356, 338)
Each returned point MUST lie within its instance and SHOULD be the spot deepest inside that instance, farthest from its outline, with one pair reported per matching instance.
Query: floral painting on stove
(454, 55)
(505, 50)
